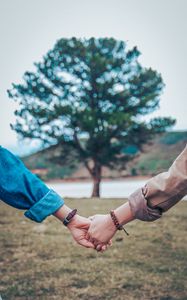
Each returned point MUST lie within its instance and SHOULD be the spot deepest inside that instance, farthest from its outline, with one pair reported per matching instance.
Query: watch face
(69, 217)
(65, 222)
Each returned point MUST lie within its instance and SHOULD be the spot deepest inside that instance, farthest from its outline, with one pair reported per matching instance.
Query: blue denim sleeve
(23, 190)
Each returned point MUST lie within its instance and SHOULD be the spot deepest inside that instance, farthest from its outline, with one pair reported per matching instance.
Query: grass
(41, 261)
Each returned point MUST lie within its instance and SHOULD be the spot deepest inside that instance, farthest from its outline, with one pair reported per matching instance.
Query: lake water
(109, 189)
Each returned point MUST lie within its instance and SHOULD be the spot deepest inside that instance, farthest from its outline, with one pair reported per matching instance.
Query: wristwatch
(69, 217)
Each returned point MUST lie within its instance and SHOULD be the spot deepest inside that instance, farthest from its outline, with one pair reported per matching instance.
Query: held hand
(79, 227)
(101, 230)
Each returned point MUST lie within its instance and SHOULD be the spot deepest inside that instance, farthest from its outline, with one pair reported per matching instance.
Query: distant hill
(159, 155)
(156, 157)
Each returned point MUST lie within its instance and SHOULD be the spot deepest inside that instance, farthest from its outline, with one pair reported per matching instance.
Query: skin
(102, 228)
(97, 231)
(78, 228)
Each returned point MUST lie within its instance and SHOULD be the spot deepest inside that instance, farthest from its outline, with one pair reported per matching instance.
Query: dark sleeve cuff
(140, 209)
(46, 206)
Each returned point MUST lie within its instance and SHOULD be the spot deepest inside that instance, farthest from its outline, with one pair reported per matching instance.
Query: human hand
(101, 230)
(79, 227)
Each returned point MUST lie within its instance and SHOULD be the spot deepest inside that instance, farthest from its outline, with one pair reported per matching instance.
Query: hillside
(157, 156)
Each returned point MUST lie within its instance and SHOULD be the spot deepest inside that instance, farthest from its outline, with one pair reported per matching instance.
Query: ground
(41, 261)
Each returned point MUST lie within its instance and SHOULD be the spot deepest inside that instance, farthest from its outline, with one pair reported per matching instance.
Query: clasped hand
(97, 231)
(94, 232)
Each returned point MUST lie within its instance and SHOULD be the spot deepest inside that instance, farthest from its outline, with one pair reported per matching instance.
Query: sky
(28, 29)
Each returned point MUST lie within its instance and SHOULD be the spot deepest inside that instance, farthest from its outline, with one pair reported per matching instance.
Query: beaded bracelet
(116, 222)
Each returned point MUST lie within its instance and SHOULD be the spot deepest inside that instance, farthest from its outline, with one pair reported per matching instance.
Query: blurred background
(93, 100)
(157, 29)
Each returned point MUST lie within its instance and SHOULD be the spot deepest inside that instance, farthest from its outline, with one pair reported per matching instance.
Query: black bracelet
(69, 217)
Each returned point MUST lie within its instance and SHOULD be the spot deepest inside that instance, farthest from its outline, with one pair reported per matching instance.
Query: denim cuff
(140, 209)
(46, 206)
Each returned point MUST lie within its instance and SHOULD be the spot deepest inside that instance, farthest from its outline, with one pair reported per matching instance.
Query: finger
(87, 236)
(86, 243)
(92, 241)
(104, 248)
(98, 247)
(110, 243)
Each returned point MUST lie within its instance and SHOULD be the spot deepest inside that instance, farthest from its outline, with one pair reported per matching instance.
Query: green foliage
(48, 159)
(130, 149)
(153, 165)
(59, 172)
(173, 137)
(89, 95)
(160, 154)
(157, 157)
(133, 172)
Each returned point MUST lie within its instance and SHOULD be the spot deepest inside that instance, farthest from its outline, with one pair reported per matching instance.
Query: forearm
(23, 190)
(168, 188)
(62, 212)
(161, 192)
(124, 213)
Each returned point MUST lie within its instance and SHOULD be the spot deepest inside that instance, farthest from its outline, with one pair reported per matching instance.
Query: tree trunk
(96, 175)
(96, 187)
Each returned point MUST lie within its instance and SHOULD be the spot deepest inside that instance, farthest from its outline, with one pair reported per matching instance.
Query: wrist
(74, 221)
(110, 223)
(124, 213)
(62, 212)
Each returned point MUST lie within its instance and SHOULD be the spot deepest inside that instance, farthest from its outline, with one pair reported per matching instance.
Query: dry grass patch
(41, 261)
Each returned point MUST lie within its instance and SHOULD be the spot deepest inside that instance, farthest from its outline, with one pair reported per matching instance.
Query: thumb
(110, 243)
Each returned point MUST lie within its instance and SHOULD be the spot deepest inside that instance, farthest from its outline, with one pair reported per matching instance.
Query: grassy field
(41, 261)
